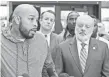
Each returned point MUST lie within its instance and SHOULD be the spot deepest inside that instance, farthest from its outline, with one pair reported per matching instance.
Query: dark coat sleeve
(105, 70)
(58, 60)
(49, 67)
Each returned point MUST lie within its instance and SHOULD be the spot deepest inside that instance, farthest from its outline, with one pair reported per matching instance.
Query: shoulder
(65, 43)
(104, 40)
(38, 39)
(5, 40)
(38, 42)
(60, 38)
(56, 37)
(54, 34)
(39, 36)
(99, 43)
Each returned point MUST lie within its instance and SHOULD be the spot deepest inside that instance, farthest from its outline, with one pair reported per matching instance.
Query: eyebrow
(32, 15)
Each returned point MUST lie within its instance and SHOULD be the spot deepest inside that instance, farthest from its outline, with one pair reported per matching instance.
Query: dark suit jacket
(53, 43)
(67, 59)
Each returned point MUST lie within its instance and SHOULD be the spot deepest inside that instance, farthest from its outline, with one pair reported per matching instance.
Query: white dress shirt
(79, 47)
(47, 38)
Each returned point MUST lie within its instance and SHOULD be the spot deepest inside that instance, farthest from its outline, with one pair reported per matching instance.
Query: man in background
(94, 34)
(47, 21)
(70, 26)
(102, 35)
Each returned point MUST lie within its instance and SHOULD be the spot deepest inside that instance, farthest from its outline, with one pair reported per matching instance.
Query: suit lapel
(74, 52)
(92, 49)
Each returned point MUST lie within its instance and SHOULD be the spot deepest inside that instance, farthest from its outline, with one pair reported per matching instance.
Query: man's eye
(87, 26)
(99, 26)
(31, 19)
(70, 18)
(46, 18)
(80, 25)
(37, 20)
(52, 20)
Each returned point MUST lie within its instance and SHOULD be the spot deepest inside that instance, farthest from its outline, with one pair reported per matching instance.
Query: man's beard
(82, 36)
(71, 28)
(24, 32)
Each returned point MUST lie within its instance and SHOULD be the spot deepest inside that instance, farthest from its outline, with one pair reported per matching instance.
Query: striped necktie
(83, 56)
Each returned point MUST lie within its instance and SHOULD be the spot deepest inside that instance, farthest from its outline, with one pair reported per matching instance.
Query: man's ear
(17, 20)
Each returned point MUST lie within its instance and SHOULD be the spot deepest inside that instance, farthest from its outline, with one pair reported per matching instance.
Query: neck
(45, 31)
(82, 40)
(16, 33)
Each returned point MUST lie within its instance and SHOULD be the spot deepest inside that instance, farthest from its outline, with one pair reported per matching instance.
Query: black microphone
(25, 75)
(63, 75)
(50, 72)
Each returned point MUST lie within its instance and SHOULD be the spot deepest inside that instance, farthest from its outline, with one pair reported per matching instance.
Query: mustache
(82, 33)
(33, 29)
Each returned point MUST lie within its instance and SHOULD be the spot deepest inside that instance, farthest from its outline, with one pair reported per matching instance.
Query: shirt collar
(8, 35)
(44, 34)
(86, 42)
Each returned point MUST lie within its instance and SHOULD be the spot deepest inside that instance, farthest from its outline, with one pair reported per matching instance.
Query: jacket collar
(7, 33)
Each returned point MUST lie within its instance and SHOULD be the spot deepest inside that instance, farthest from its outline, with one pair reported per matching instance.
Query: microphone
(50, 72)
(25, 75)
(63, 75)
(53, 76)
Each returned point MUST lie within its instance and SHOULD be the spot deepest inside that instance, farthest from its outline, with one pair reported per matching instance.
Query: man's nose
(74, 21)
(48, 21)
(35, 23)
(83, 28)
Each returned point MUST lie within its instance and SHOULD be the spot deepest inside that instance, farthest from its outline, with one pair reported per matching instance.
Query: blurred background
(98, 8)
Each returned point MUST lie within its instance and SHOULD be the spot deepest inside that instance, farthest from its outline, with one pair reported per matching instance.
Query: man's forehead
(25, 9)
(74, 14)
(85, 18)
(31, 13)
(47, 14)
(85, 22)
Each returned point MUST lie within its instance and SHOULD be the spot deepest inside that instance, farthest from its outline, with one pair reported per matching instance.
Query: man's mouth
(32, 32)
(82, 33)
(34, 29)
(48, 25)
